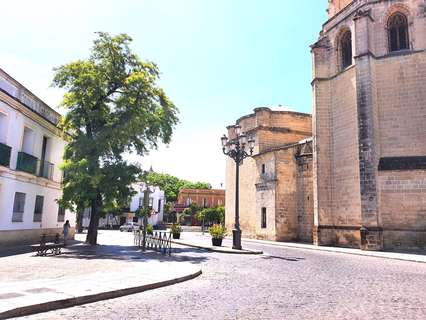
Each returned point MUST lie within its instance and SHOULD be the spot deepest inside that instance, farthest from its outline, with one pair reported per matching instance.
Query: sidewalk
(197, 239)
(84, 274)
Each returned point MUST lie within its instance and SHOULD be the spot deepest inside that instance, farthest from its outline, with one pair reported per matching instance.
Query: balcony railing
(46, 170)
(27, 163)
(5, 151)
(32, 165)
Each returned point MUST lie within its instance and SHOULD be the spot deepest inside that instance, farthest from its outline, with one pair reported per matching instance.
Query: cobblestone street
(283, 283)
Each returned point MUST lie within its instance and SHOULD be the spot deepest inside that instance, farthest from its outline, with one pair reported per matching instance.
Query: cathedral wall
(401, 96)
(269, 139)
(304, 199)
(247, 204)
(335, 6)
(265, 196)
(344, 152)
(286, 195)
(403, 208)
(271, 130)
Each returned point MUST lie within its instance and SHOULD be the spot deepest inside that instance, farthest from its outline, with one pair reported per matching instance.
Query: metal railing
(30, 164)
(159, 241)
(27, 163)
(46, 170)
(5, 152)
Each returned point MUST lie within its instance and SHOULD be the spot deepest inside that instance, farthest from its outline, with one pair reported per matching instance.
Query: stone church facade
(276, 196)
(369, 128)
(360, 181)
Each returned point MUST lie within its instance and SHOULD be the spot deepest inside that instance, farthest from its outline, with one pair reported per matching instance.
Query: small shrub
(217, 231)
(176, 228)
(149, 229)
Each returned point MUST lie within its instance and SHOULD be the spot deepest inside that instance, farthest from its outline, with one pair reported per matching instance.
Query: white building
(156, 201)
(31, 151)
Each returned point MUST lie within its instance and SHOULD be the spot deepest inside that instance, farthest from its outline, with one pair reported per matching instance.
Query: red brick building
(206, 198)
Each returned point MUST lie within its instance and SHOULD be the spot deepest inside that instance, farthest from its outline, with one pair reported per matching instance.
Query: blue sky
(219, 59)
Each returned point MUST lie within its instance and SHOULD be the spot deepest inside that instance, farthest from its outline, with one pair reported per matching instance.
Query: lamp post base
(236, 239)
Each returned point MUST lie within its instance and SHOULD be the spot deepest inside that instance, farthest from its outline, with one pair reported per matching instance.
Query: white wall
(50, 207)
(11, 181)
(4, 125)
(154, 196)
(16, 122)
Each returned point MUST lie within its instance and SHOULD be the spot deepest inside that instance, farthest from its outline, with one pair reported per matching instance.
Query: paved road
(282, 284)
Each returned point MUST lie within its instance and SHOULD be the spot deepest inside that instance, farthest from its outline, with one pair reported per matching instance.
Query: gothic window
(346, 49)
(398, 32)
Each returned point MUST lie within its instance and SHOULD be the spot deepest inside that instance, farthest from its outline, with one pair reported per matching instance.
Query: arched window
(398, 32)
(346, 49)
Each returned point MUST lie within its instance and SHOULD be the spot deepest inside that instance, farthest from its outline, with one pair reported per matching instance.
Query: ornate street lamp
(236, 149)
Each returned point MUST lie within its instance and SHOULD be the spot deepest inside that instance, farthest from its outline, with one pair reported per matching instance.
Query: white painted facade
(26, 124)
(156, 201)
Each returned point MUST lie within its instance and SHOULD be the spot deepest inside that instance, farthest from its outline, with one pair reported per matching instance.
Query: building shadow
(293, 259)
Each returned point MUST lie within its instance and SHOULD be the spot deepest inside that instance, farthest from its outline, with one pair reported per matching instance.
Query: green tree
(212, 215)
(172, 185)
(114, 105)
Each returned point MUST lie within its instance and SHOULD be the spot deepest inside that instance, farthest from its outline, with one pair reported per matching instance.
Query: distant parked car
(129, 227)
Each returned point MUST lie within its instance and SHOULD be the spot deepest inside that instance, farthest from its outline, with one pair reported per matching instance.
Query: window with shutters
(18, 207)
(38, 208)
(61, 214)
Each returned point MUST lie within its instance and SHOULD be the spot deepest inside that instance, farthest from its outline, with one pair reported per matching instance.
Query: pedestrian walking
(66, 230)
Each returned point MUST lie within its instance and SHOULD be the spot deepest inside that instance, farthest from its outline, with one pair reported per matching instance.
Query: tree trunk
(79, 221)
(92, 232)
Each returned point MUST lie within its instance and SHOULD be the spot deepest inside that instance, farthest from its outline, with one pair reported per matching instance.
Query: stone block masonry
(369, 132)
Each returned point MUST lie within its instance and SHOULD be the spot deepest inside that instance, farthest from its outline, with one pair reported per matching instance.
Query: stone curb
(374, 254)
(76, 301)
(231, 251)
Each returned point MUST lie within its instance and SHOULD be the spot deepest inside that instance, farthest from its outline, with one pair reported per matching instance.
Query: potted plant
(218, 232)
(176, 230)
(150, 229)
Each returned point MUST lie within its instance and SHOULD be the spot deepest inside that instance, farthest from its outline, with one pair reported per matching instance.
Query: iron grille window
(346, 49)
(263, 222)
(398, 32)
(18, 207)
(61, 214)
(38, 208)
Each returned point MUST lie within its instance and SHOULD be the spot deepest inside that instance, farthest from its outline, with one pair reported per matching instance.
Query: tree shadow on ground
(24, 249)
(129, 253)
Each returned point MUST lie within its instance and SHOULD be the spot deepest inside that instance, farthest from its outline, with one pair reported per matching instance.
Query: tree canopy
(113, 105)
(212, 215)
(172, 185)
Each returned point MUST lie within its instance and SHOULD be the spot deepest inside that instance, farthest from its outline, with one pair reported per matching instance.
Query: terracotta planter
(217, 242)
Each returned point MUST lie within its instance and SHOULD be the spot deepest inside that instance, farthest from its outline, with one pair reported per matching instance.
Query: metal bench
(48, 243)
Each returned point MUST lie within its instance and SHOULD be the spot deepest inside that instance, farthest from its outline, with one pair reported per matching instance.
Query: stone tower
(369, 131)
